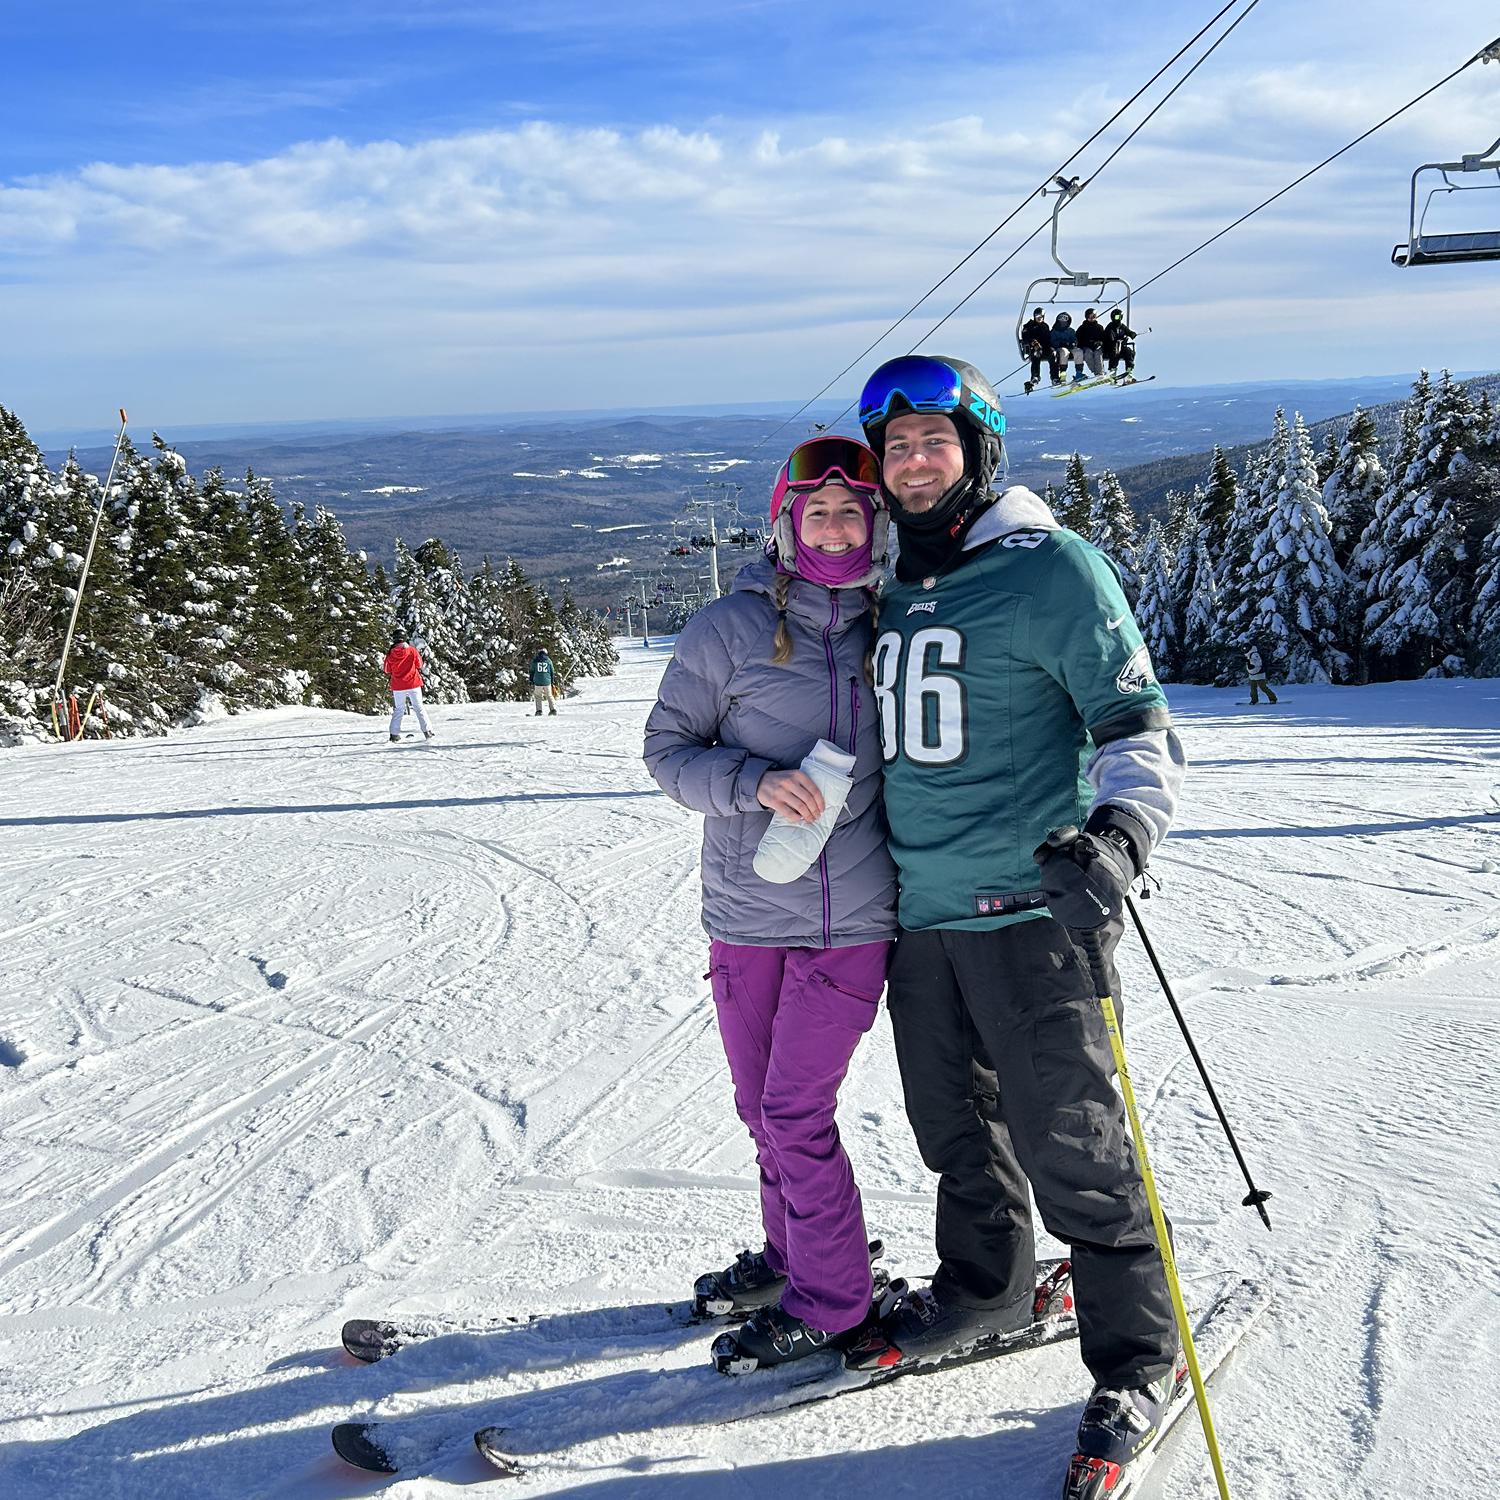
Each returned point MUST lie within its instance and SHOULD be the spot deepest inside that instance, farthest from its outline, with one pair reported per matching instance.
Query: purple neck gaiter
(837, 570)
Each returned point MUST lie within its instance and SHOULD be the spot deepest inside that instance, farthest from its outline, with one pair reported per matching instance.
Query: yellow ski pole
(1158, 1219)
(1089, 941)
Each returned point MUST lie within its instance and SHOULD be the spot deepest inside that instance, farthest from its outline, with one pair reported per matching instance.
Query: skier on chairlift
(1119, 346)
(1036, 345)
(1091, 343)
(1064, 349)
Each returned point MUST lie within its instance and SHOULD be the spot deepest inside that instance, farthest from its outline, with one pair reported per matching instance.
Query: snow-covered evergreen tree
(1299, 581)
(1112, 529)
(352, 621)
(1221, 496)
(1413, 557)
(1236, 578)
(1484, 620)
(1200, 655)
(1077, 502)
(1155, 606)
(1353, 485)
(431, 604)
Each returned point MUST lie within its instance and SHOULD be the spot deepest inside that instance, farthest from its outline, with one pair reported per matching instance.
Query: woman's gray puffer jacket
(725, 715)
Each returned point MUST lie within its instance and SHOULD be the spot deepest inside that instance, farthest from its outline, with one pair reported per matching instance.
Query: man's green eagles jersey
(996, 682)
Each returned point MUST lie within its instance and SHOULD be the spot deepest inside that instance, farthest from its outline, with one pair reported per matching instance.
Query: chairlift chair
(1085, 291)
(1471, 245)
(1424, 249)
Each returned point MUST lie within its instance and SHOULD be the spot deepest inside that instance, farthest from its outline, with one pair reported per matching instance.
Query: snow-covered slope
(299, 1025)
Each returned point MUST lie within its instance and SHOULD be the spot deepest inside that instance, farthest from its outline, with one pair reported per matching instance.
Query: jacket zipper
(833, 731)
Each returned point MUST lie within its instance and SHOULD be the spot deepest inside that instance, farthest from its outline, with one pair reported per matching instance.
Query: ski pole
(1090, 942)
(1256, 1197)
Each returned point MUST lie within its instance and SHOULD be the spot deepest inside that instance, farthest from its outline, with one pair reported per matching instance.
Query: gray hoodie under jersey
(725, 715)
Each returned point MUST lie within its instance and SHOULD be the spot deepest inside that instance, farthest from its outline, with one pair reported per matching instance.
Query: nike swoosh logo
(1115, 623)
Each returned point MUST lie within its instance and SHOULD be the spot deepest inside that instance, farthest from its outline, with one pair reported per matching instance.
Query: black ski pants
(1009, 1078)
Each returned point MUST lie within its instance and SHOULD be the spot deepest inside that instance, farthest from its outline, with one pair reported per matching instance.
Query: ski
(417, 1443)
(783, 1387)
(1089, 385)
(371, 1339)
(1216, 1336)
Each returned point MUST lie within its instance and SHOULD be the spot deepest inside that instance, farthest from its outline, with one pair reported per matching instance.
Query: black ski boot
(924, 1326)
(749, 1284)
(770, 1337)
(1118, 1425)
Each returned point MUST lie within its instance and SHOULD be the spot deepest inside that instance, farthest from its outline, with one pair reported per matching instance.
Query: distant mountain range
(590, 500)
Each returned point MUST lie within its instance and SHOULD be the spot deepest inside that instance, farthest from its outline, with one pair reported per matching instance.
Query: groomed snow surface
(299, 1025)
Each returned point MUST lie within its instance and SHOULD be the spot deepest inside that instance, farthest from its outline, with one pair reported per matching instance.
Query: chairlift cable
(1107, 160)
(1297, 182)
(1325, 162)
(958, 266)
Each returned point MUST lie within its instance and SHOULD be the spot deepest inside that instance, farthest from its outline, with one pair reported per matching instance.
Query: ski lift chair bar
(1451, 249)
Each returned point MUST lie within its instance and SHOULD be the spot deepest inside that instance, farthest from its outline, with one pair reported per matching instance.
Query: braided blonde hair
(781, 652)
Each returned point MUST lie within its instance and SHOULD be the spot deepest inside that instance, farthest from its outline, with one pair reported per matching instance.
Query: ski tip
(366, 1339)
(488, 1442)
(354, 1443)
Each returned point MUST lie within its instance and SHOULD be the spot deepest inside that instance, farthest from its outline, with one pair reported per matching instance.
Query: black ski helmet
(974, 410)
(398, 636)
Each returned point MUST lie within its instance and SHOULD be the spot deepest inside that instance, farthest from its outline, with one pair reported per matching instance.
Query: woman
(773, 675)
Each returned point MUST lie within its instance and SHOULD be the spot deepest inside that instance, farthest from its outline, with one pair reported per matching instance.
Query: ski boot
(395, 739)
(772, 1336)
(1027, 387)
(748, 1284)
(1118, 1425)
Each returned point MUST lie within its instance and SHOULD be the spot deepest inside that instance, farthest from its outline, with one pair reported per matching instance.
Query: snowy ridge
(298, 1026)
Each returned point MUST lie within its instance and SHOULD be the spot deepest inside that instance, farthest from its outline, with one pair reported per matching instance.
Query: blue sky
(239, 212)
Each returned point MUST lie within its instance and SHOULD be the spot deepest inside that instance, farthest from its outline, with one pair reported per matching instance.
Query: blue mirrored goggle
(923, 383)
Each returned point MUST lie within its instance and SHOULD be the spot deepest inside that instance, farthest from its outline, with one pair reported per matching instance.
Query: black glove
(1085, 875)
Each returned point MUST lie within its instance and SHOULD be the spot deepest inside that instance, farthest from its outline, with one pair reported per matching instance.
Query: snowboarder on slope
(403, 669)
(541, 683)
(1255, 669)
(1016, 696)
(765, 708)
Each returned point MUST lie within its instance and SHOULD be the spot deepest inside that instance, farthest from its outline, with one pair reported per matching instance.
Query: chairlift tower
(713, 499)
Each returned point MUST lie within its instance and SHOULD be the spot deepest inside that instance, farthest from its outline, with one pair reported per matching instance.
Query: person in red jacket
(403, 668)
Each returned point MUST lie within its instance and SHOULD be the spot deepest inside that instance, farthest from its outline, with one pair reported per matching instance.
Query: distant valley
(589, 502)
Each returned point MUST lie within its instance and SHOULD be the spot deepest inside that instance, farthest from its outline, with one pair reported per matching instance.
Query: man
(403, 670)
(1016, 696)
(1036, 346)
(1091, 343)
(541, 683)
(1119, 345)
(1255, 669)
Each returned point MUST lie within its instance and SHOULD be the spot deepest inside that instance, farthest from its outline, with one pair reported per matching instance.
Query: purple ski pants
(791, 1019)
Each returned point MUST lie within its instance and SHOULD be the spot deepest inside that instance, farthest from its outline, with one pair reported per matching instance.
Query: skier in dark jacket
(1119, 344)
(1091, 342)
(1065, 348)
(1039, 709)
(765, 710)
(1036, 345)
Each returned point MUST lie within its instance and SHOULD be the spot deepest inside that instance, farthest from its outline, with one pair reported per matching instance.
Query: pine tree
(280, 622)
(1112, 529)
(1220, 499)
(352, 621)
(1484, 622)
(1155, 609)
(1236, 577)
(1076, 500)
(1300, 583)
(1413, 557)
(1352, 485)
(431, 603)
(1201, 655)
